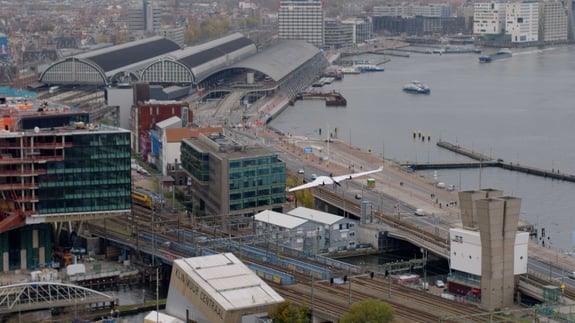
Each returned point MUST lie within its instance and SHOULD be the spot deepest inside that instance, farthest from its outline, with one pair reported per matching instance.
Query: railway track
(409, 305)
(329, 301)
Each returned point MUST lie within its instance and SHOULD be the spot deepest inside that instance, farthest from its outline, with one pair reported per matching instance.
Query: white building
(391, 11)
(489, 18)
(431, 10)
(554, 21)
(522, 21)
(218, 288)
(302, 20)
(362, 29)
(287, 230)
(335, 232)
(167, 150)
(465, 249)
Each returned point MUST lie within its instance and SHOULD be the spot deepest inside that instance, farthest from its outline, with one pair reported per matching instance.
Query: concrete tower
(497, 220)
(467, 201)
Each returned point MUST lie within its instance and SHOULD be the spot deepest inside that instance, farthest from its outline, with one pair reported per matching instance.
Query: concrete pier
(486, 161)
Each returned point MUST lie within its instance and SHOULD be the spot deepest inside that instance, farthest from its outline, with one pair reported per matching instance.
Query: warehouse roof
(279, 219)
(315, 216)
(228, 281)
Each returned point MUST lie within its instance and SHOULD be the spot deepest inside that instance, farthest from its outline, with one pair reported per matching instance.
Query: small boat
(335, 99)
(416, 87)
(502, 53)
(350, 70)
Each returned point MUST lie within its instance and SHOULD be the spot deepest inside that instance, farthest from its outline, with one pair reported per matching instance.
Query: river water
(520, 109)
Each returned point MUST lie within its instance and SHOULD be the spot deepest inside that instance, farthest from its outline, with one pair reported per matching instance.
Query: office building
(489, 18)
(55, 167)
(554, 21)
(522, 21)
(301, 20)
(232, 181)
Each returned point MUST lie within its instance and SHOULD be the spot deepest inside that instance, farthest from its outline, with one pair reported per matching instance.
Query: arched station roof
(201, 60)
(280, 60)
(96, 67)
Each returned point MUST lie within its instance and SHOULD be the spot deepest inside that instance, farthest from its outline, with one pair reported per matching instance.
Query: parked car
(571, 275)
(300, 171)
(439, 283)
(419, 212)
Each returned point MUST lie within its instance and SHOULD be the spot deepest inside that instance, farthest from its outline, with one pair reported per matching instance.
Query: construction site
(55, 167)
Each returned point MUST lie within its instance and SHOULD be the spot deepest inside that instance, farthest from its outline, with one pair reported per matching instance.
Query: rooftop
(228, 281)
(279, 219)
(315, 216)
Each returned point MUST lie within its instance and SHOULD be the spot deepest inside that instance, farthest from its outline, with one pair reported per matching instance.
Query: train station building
(218, 288)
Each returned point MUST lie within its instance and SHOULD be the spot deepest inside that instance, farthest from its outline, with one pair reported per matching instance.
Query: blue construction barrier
(271, 274)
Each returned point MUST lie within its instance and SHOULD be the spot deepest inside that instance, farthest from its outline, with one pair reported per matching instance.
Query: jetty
(482, 160)
(332, 98)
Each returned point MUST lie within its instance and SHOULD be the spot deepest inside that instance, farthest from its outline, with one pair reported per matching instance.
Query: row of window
(257, 202)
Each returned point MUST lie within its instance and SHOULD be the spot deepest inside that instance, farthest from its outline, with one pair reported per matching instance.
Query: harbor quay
(482, 160)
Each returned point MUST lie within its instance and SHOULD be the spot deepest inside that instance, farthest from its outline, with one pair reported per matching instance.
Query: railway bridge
(29, 296)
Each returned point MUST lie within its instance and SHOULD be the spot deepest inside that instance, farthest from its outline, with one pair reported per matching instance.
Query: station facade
(218, 288)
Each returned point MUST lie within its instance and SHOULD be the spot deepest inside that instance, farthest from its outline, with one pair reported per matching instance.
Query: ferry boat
(416, 87)
(502, 53)
(368, 68)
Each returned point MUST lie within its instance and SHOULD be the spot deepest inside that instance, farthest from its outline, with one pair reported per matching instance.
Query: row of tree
(366, 311)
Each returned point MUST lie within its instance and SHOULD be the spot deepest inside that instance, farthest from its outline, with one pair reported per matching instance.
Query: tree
(286, 312)
(303, 197)
(368, 311)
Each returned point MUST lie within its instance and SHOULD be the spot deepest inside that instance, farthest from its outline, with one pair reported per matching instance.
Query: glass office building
(232, 181)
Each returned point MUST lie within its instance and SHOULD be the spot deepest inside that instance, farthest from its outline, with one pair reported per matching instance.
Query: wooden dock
(486, 161)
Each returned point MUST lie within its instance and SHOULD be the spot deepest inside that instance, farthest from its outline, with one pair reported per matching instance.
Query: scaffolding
(23, 157)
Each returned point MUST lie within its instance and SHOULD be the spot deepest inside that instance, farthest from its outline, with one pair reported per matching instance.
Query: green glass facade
(256, 182)
(195, 162)
(94, 175)
(232, 180)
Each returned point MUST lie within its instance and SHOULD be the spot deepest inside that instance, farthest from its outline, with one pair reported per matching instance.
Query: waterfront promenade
(410, 188)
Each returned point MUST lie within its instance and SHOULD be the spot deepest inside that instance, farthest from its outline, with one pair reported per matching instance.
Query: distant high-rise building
(554, 21)
(145, 19)
(489, 18)
(362, 29)
(151, 16)
(173, 33)
(302, 20)
(338, 34)
(522, 21)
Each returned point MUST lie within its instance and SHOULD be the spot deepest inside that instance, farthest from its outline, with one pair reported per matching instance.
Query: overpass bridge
(429, 238)
(46, 295)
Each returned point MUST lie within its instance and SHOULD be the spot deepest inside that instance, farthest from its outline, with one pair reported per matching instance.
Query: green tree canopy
(286, 312)
(368, 311)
